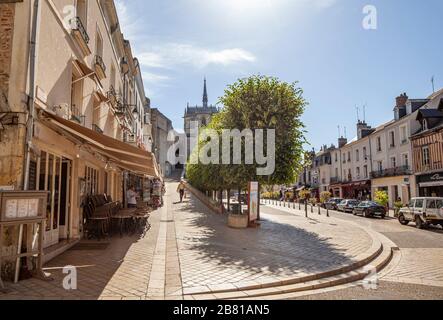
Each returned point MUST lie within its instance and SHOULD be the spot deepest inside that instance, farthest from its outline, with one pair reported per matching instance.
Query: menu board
(22, 208)
(11, 209)
(33, 208)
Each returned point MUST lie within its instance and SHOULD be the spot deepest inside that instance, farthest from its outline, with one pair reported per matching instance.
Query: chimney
(401, 100)
(342, 142)
(363, 129)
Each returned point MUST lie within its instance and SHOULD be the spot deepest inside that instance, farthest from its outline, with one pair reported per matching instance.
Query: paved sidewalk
(214, 257)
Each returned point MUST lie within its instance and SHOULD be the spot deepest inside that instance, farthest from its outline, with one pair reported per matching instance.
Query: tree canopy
(254, 103)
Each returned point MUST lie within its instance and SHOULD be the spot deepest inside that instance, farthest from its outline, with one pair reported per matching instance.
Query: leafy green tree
(382, 198)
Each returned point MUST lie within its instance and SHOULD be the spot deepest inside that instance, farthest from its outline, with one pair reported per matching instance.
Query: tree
(325, 196)
(381, 198)
(257, 102)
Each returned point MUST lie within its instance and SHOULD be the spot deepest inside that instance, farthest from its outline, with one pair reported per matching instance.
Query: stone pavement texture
(419, 260)
(214, 257)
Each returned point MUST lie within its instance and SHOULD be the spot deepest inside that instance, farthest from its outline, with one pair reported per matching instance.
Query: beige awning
(124, 155)
(83, 69)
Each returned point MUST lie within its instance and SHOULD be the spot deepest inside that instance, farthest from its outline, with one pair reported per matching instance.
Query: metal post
(1, 253)
(19, 252)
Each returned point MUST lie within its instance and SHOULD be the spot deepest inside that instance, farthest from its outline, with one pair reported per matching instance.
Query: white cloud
(173, 54)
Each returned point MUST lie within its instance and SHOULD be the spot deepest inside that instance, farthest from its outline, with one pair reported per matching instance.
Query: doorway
(55, 178)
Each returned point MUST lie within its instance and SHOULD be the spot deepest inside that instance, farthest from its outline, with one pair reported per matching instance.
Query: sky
(322, 44)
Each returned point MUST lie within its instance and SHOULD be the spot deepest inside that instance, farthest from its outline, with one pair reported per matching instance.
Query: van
(422, 211)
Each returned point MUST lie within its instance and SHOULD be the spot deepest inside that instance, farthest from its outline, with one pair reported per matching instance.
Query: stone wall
(6, 34)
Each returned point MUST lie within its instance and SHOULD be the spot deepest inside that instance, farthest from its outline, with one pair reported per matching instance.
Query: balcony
(80, 35)
(100, 67)
(75, 115)
(116, 101)
(335, 180)
(393, 172)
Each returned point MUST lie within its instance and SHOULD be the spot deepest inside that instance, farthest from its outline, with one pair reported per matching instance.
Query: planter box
(237, 221)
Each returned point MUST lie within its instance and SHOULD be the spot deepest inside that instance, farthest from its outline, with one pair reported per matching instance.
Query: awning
(124, 155)
(84, 70)
(431, 184)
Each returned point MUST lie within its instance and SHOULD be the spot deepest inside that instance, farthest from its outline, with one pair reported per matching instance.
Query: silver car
(348, 206)
(422, 211)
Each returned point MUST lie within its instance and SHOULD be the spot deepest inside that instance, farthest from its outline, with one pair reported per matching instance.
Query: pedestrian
(181, 190)
(131, 197)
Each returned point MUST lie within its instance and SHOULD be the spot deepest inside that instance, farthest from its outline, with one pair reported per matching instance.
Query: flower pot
(238, 221)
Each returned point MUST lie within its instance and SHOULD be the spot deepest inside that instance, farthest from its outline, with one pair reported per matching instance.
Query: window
(393, 162)
(426, 156)
(92, 177)
(336, 157)
(350, 175)
(431, 204)
(113, 76)
(365, 153)
(336, 172)
(358, 172)
(349, 156)
(405, 160)
(380, 166)
(344, 158)
(379, 144)
(439, 204)
(99, 45)
(357, 155)
(425, 125)
(404, 134)
(366, 171)
(419, 204)
(392, 139)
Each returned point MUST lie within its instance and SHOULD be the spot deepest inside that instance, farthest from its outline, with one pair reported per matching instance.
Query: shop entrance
(55, 177)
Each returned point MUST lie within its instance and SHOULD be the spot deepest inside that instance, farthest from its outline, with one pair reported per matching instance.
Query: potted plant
(398, 206)
(382, 198)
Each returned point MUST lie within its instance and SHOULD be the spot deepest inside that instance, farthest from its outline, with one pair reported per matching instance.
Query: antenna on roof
(358, 113)
(339, 132)
(346, 133)
(433, 84)
(364, 113)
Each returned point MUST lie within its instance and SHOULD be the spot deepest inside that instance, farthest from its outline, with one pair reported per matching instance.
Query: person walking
(181, 190)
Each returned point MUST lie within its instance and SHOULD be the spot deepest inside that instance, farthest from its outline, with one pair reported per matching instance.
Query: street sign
(253, 201)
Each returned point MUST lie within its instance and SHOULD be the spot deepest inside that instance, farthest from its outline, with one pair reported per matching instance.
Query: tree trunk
(229, 200)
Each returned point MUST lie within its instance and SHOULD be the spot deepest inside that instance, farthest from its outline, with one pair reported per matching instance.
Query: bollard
(327, 212)
(319, 210)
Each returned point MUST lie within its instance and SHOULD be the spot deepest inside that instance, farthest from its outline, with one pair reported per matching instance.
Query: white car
(422, 211)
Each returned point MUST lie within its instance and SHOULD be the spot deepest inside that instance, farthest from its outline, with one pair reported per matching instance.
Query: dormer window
(425, 125)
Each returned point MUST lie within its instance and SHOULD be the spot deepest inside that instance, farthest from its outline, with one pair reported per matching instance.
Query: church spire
(205, 95)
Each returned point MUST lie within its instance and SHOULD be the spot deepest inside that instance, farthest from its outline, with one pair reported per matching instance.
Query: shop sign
(437, 177)
(253, 201)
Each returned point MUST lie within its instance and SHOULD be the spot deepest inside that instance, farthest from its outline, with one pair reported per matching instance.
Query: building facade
(162, 129)
(72, 108)
(200, 115)
(381, 159)
(427, 145)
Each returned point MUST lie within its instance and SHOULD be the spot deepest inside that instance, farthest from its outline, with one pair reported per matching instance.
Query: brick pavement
(215, 257)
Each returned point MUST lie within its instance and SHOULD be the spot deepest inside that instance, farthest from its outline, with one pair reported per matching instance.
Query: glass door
(50, 180)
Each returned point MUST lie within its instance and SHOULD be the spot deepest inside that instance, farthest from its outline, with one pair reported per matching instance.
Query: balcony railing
(393, 172)
(80, 33)
(75, 115)
(100, 67)
(335, 180)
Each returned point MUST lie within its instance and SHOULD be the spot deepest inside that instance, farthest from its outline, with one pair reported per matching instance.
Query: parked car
(370, 209)
(422, 211)
(333, 203)
(347, 205)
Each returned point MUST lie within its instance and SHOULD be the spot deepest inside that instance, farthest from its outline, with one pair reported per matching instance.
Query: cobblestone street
(190, 250)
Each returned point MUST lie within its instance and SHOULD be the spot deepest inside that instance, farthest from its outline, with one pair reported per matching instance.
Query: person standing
(131, 197)
(181, 190)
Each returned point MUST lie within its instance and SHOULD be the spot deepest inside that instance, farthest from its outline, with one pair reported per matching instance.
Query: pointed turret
(205, 95)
